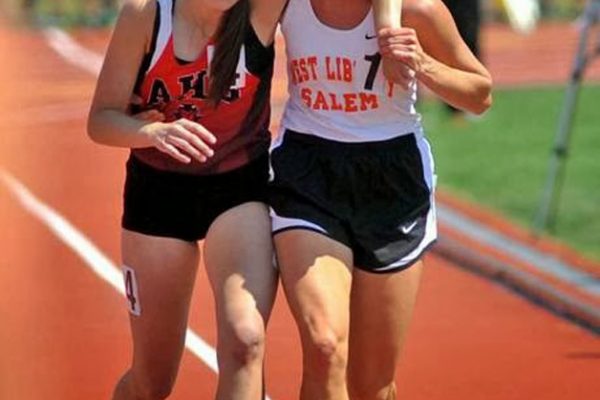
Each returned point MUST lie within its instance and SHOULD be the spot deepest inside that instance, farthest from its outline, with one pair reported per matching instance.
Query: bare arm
(432, 47)
(109, 122)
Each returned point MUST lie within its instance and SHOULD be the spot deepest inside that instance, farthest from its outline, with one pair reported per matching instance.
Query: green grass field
(63, 12)
(501, 160)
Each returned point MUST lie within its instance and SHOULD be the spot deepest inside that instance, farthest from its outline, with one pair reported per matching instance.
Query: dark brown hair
(229, 40)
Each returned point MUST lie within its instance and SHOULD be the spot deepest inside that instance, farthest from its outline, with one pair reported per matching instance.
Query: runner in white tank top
(336, 86)
(352, 179)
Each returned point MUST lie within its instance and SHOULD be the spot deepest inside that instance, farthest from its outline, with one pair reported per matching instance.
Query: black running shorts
(374, 197)
(183, 206)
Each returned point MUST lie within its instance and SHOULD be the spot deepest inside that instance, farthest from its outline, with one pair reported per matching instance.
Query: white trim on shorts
(280, 224)
(431, 224)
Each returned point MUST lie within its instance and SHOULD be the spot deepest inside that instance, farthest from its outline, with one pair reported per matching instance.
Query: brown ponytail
(229, 40)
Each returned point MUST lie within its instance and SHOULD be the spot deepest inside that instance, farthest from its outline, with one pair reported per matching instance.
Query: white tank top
(336, 85)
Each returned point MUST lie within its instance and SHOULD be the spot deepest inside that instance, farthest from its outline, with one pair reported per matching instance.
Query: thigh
(164, 271)
(316, 276)
(238, 255)
(381, 309)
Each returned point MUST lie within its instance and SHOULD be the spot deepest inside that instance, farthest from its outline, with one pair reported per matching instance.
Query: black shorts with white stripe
(374, 197)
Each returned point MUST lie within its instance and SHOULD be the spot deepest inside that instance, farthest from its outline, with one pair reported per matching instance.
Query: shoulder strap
(164, 15)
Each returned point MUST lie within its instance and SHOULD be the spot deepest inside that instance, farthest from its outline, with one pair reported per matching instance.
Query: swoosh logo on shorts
(370, 37)
(407, 228)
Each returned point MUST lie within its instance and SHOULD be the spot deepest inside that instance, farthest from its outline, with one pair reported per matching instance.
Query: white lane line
(91, 255)
(73, 52)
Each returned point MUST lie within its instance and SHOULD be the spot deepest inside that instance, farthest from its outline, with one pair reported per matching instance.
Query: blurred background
(100, 12)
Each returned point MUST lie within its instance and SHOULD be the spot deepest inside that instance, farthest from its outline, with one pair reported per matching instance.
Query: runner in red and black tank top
(179, 89)
(182, 191)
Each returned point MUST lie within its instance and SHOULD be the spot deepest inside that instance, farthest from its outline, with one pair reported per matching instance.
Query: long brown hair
(229, 40)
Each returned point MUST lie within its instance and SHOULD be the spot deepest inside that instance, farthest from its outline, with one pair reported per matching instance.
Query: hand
(181, 139)
(402, 55)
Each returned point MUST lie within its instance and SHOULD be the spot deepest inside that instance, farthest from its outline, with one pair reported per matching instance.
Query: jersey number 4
(131, 291)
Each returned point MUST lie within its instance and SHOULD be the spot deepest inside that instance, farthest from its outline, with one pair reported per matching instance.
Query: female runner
(198, 170)
(352, 179)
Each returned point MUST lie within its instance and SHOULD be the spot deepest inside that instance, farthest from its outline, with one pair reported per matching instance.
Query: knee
(328, 351)
(247, 343)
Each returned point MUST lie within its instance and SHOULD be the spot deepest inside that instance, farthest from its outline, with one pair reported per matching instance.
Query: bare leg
(239, 262)
(381, 309)
(316, 276)
(165, 270)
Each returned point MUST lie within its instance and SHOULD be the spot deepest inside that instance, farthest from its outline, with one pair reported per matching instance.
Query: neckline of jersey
(320, 23)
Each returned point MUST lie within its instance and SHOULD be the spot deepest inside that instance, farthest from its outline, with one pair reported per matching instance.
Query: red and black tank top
(179, 89)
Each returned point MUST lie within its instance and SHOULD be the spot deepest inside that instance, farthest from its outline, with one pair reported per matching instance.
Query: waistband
(408, 140)
(257, 165)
